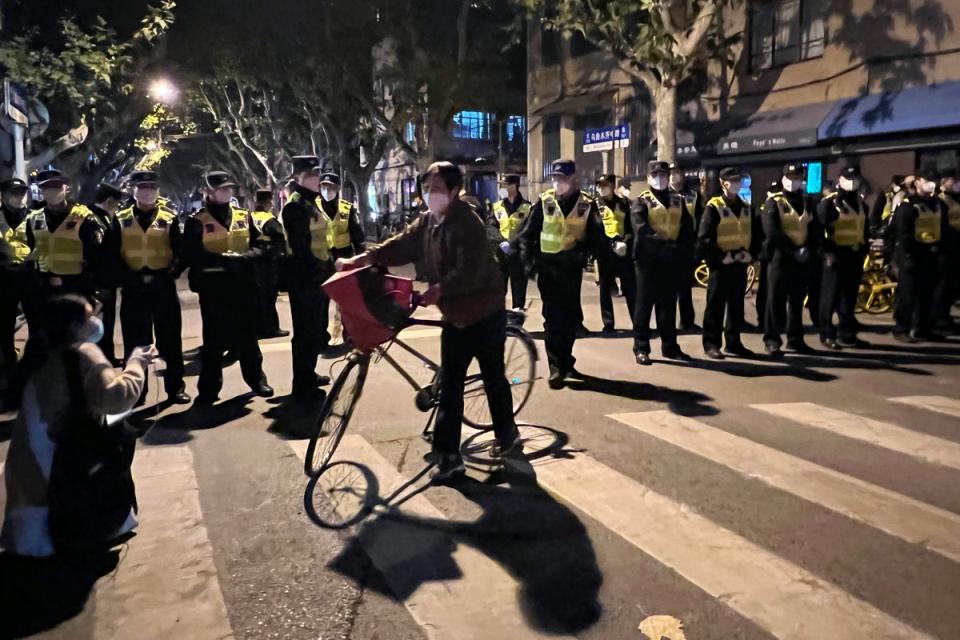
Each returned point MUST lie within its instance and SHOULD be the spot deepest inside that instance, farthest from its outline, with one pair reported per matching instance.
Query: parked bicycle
(878, 289)
(701, 275)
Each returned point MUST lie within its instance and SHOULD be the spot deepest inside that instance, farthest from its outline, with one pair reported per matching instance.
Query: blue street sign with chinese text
(607, 138)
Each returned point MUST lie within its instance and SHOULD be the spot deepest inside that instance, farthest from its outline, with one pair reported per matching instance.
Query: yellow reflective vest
(563, 232)
(13, 241)
(150, 248)
(614, 219)
(953, 211)
(219, 239)
(510, 222)
(734, 232)
(926, 230)
(850, 223)
(338, 227)
(319, 241)
(795, 225)
(60, 252)
(665, 220)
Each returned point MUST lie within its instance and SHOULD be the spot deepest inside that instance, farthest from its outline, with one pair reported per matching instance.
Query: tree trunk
(666, 112)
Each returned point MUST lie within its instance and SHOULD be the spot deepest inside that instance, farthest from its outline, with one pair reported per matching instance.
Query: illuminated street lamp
(163, 91)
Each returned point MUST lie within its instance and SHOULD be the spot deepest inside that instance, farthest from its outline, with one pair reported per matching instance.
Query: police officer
(18, 277)
(948, 274)
(662, 229)
(919, 229)
(66, 238)
(220, 246)
(104, 207)
(758, 248)
(843, 215)
(724, 241)
(146, 242)
(615, 214)
(344, 230)
(679, 186)
(509, 214)
(310, 262)
(563, 225)
(884, 206)
(267, 268)
(791, 235)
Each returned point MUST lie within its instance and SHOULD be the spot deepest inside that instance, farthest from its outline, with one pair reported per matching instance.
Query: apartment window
(516, 129)
(549, 47)
(551, 142)
(785, 31)
(472, 125)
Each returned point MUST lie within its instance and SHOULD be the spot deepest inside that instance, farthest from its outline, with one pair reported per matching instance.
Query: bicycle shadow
(540, 542)
(679, 401)
(292, 420)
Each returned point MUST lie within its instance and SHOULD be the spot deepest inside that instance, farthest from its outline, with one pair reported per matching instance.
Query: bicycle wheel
(702, 274)
(342, 494)
(520, 364)
(880, 292)
(335, 414)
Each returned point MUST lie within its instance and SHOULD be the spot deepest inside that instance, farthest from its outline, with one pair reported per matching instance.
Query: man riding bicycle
(466, 284)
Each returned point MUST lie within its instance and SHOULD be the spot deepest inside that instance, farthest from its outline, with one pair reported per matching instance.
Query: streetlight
(163, 91)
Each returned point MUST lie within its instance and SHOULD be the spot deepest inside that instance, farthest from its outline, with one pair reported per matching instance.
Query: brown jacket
(457, 256)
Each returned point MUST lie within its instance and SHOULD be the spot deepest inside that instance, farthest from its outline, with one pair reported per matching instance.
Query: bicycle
(520, 358)
(877, 293)
(701, 275)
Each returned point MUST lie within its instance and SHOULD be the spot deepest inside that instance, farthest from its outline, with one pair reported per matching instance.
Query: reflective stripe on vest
(664, 220)
(13, 241)
(733, 232)
(613, 221)
(927, 228)
(59, 252)
(148, 249)
(338, 227)
(850, 224)
(953, 212)
(219, 239)
(795, 225)
(510, 222)
(562, 232)
(319, 244)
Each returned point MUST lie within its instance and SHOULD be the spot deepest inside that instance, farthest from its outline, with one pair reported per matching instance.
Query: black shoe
(583, 332)
(180, 397)
(279, 333)
(556, 380)
(713, 353)
(830, 343)
(644, 359)
(674, 352)
(323, 381)
(205, 401)
(773, 351)
(450, 468)
(608, 330)
(689, 328)
(739, 351)
(799, 346)
(906, 338)
(572, 373)
(513, 447)
(853, 343)
(929, 337)
(263, 390)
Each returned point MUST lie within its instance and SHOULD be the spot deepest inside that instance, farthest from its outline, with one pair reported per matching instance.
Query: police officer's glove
(728, 259)
(829, 260)
(802, 255)
(506, 248)
(744, 257)
(620, 248)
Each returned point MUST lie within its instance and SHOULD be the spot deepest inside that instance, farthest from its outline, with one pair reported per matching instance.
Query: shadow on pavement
(207, 417)
(292, 420)
(679, 401)
(37, 594)
(541, 543)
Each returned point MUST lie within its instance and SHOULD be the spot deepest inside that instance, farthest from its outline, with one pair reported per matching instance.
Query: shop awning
(792, 128)
(918, 109)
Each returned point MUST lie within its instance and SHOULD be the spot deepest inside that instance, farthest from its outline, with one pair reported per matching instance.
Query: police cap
(330, 177)
(850, 172)
(50, 177)
(563, 167)
(219, 180)
(675, 167)
(264, 195)
(510, 178)
(143, 178)
(13, 185)
(305, 163)
(657, 166)
(793, 169)
(608, 178)
(730, 173)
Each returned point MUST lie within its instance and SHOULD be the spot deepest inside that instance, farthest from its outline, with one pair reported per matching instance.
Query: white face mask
(929, 187)
(624, 193)
(328, 193)
(15, 201)
(562, 187)
(896, 188)
(606, 192)
(146, 197)
(503, 193)
(793, 185)
(849, 184)
(658, 183)
(437, 203)
(54, 196)
(222, 196)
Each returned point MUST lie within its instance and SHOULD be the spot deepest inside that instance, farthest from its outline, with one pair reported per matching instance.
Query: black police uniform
(685, 308)
(267, 273)
(948, 265)
(841, 279)
(106, 279)
(512, 266)
(787, 270)
(18, 287)
(612, 267)
(660, 265)
(916, 262)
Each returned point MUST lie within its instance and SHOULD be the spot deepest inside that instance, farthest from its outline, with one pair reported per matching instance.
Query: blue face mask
(92, 330)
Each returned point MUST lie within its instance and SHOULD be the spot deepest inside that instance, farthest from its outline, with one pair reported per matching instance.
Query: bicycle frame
(381, 353)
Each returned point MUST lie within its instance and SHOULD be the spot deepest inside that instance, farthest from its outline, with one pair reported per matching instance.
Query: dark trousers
(149, 309)
(52, 285)
(725, 290)
(229, 323)
(310, 308)
(17, 289)
(483, 340)
(688, 316)
(515, 274)
(814, 277)
(947, 287)
(786, 288)
(610, 270)
(760, 299)
(559, 281)
(267, 280)
(838, 294)
(916, 281)
(657, 287)
(108, 297)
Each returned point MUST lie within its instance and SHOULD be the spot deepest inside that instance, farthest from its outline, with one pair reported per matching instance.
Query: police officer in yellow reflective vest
(662, 229)
(267, 268)
(843, 215)
(563, 225)
(344, 230)
(509, 214)
(678, 185)
(948, 274)
(791, 239)
(919, 230)
(615, 214)
(723, 242)
(18, 276)
(310, 263)
(220, 247)
(66, 239)
(146, 244)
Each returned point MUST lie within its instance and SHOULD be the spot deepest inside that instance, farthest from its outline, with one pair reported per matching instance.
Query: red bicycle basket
(374, 305)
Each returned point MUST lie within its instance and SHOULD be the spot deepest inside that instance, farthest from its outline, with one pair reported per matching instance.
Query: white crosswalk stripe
(939, 404)
(898, 515)
(881, 434)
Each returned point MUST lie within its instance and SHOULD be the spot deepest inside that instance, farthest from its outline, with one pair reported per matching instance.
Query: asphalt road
(808, 499)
